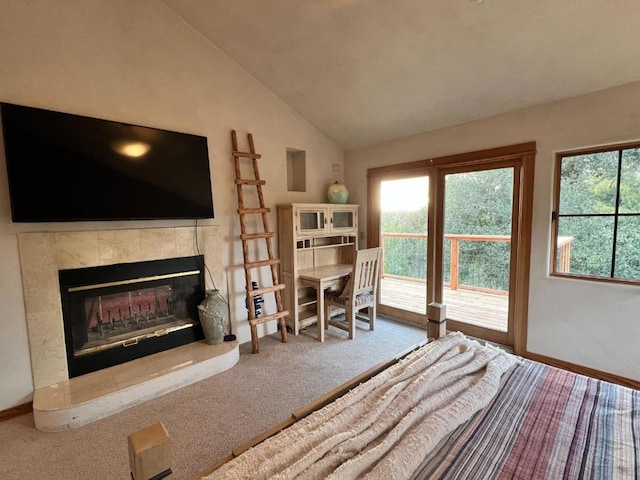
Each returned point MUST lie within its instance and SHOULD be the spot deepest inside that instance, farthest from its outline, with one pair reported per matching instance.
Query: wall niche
(296, 170)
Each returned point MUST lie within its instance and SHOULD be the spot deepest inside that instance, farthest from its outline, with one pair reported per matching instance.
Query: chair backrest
(365, 271)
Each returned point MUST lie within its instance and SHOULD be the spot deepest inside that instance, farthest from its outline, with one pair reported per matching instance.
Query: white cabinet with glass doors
(310, 236)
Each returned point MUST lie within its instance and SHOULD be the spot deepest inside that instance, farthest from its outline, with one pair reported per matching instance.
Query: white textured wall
(136, 62)
(588, 323)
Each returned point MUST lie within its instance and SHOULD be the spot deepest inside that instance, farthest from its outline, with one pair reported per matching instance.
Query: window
(596, 219)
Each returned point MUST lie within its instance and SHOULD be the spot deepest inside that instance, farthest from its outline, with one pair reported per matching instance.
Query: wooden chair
(359, 293)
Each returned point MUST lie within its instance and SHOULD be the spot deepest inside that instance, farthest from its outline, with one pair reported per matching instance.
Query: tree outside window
(597, 213)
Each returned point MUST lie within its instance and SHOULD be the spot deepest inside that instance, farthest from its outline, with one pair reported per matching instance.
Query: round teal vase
(337, 193)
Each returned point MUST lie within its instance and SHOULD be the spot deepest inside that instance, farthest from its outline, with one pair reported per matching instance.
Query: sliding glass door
(478, 208)
(403, 238)
(456, 231)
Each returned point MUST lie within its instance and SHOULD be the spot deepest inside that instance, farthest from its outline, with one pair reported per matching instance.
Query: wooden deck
(476, 308)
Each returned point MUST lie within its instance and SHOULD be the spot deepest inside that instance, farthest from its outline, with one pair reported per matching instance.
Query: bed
(456, 409)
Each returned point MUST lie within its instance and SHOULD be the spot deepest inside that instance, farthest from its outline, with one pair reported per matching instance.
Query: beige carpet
(207, 419)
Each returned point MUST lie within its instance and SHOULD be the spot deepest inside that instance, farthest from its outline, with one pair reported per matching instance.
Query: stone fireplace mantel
(43, 254)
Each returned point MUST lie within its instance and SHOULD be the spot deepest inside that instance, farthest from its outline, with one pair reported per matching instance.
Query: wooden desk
(322, 278)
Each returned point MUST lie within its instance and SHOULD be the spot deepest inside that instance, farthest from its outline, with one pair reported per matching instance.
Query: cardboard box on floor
(150, 453)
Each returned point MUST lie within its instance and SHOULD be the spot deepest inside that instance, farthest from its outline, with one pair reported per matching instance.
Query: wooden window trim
(556, 208)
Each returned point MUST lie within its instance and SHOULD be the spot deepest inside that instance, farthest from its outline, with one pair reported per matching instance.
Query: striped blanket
(545, 423)
(457, 410)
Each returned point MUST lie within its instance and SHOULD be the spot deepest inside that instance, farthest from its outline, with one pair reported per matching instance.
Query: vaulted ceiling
(366, 71)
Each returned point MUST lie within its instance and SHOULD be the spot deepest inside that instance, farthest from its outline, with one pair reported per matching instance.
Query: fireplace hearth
(117, 313)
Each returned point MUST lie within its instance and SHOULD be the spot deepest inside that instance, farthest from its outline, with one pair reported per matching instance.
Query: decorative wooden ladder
(267, 234)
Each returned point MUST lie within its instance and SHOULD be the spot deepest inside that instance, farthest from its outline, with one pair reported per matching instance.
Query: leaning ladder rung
(261, 263)
(266, 318)
(253, 236)
(260, 291)
(246, 154)
(250, 182)
(244, 211)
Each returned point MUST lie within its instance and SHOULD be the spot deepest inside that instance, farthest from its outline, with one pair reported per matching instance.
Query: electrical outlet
(336, 167)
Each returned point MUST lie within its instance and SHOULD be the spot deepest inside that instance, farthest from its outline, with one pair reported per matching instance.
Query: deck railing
(418, 254)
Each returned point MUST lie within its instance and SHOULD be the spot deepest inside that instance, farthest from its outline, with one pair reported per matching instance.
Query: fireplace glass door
(121, 312)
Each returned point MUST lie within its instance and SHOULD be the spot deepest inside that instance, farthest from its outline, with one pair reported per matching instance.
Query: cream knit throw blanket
(385, 427)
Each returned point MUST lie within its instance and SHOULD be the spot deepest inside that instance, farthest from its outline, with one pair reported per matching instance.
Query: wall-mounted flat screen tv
(64, 167)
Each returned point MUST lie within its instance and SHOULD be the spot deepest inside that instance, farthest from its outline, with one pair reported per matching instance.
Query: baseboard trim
(16, 411)
(590, 372)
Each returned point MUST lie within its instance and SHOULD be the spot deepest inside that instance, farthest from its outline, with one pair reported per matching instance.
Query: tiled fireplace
(44, 255)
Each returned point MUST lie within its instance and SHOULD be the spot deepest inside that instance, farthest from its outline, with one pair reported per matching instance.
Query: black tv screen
(64, 167)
